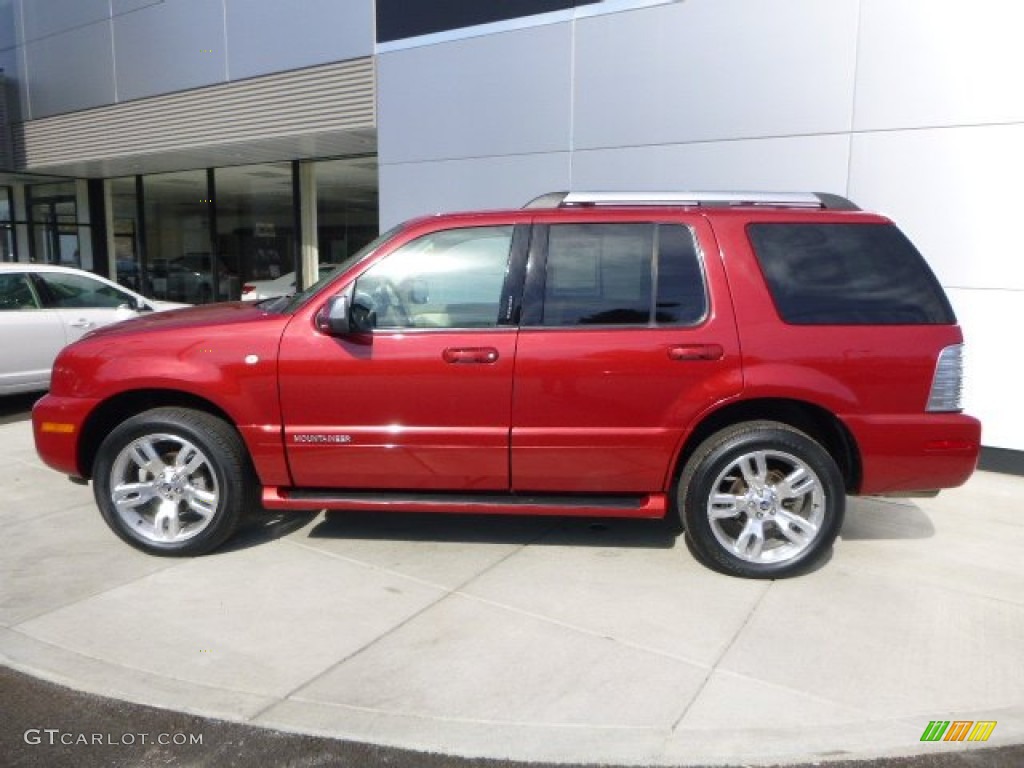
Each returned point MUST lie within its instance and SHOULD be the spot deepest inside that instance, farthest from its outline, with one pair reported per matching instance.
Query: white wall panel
(928, 63)
(496, 95)
(417, 189)
(991, 319)
(168, 47)
(715, 69)
(70, 71)
(51, 17)
(955, 192)
(813, 163)
(267, 36)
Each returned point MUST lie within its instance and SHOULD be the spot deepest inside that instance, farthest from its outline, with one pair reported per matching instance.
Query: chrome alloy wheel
(164, 488)
(767, 506)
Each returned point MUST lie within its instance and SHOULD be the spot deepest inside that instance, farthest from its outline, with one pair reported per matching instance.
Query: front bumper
(57, 424)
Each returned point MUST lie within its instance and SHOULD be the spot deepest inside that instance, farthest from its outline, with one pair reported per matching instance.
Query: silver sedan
(45, 307)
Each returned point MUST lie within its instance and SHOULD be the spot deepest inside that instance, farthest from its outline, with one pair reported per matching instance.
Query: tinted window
(848, 274)
(681, 298)
(77, 291)
(604, 274)
(15, 292)
(449, 279)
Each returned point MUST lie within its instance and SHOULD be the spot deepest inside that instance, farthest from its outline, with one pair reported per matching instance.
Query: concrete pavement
(532, 639)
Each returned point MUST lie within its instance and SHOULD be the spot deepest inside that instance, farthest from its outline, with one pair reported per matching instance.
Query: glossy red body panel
(202, 352)
(585, 410)
(867, 376)
(604, 409)
(408, 417)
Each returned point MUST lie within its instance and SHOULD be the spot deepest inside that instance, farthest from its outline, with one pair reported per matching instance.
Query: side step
(647, 506)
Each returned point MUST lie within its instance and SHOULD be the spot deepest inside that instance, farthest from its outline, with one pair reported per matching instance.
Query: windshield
(292, 303)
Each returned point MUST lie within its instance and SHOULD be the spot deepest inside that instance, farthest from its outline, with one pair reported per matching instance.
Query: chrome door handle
(470, 355)
(82, 323)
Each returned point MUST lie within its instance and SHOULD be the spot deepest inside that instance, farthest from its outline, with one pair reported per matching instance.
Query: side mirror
(342, 316)
(333, 319)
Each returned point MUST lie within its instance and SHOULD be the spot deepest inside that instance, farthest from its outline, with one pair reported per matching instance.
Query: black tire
(761, 500)
(166, 508)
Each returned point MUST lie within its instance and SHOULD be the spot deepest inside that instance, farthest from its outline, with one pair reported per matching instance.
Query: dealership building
(242, 139)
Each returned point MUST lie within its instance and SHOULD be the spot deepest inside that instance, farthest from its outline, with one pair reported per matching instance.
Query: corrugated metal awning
(316, 112)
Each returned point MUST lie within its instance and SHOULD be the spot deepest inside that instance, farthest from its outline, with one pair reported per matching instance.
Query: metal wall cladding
(334, 97)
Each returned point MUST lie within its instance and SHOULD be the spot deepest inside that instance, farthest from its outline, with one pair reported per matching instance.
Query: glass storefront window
(255, 221)
(124, 237)
(53, 222)
(180, 263)
(7, 225)
(347, 206)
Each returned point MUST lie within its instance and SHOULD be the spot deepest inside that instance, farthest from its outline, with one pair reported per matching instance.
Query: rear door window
(848, 274)
(622, 274)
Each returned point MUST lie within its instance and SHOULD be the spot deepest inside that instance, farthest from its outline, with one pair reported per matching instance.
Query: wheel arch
(123, 406)
(820, 423)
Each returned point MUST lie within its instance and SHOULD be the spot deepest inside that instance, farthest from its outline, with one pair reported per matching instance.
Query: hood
(189, 318)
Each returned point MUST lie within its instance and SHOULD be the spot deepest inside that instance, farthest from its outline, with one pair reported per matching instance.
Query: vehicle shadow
(877, 519)
(15, 408)
(866, 519)
(263, 526)
(496, 529)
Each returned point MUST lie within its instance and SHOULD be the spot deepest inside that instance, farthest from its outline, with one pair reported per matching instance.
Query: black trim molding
(398, 19)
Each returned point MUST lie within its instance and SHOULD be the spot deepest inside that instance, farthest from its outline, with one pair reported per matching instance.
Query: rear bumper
(906, 454)
(57, 426)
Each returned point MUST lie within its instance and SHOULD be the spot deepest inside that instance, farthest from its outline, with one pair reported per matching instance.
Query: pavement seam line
(460, 591)
(74, 685)
(446, 593)
(93, 595)
(725, 651)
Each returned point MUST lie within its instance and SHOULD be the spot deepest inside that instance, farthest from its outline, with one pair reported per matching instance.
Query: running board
(569, 505)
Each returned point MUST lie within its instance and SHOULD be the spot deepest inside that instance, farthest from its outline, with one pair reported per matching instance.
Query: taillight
(947, 384)
(248, 288)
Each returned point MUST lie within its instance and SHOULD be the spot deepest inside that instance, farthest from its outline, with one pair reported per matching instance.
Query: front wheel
(761, 500)
(173, 481)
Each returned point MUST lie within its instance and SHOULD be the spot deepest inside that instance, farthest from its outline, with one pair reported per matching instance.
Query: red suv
(736, 362)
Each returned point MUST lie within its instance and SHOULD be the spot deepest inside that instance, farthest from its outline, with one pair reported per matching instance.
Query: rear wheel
(761, 500)
(173, 481)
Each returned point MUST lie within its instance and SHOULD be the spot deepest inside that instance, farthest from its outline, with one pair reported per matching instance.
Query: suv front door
(423, 400)
(627, 336)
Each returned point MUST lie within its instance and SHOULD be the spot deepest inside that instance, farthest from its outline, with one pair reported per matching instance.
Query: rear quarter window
(847, 274)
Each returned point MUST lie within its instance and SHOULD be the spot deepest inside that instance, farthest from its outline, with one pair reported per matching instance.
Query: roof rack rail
(762, 199)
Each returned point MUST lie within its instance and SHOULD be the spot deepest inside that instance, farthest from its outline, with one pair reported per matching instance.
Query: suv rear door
(627, 336)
